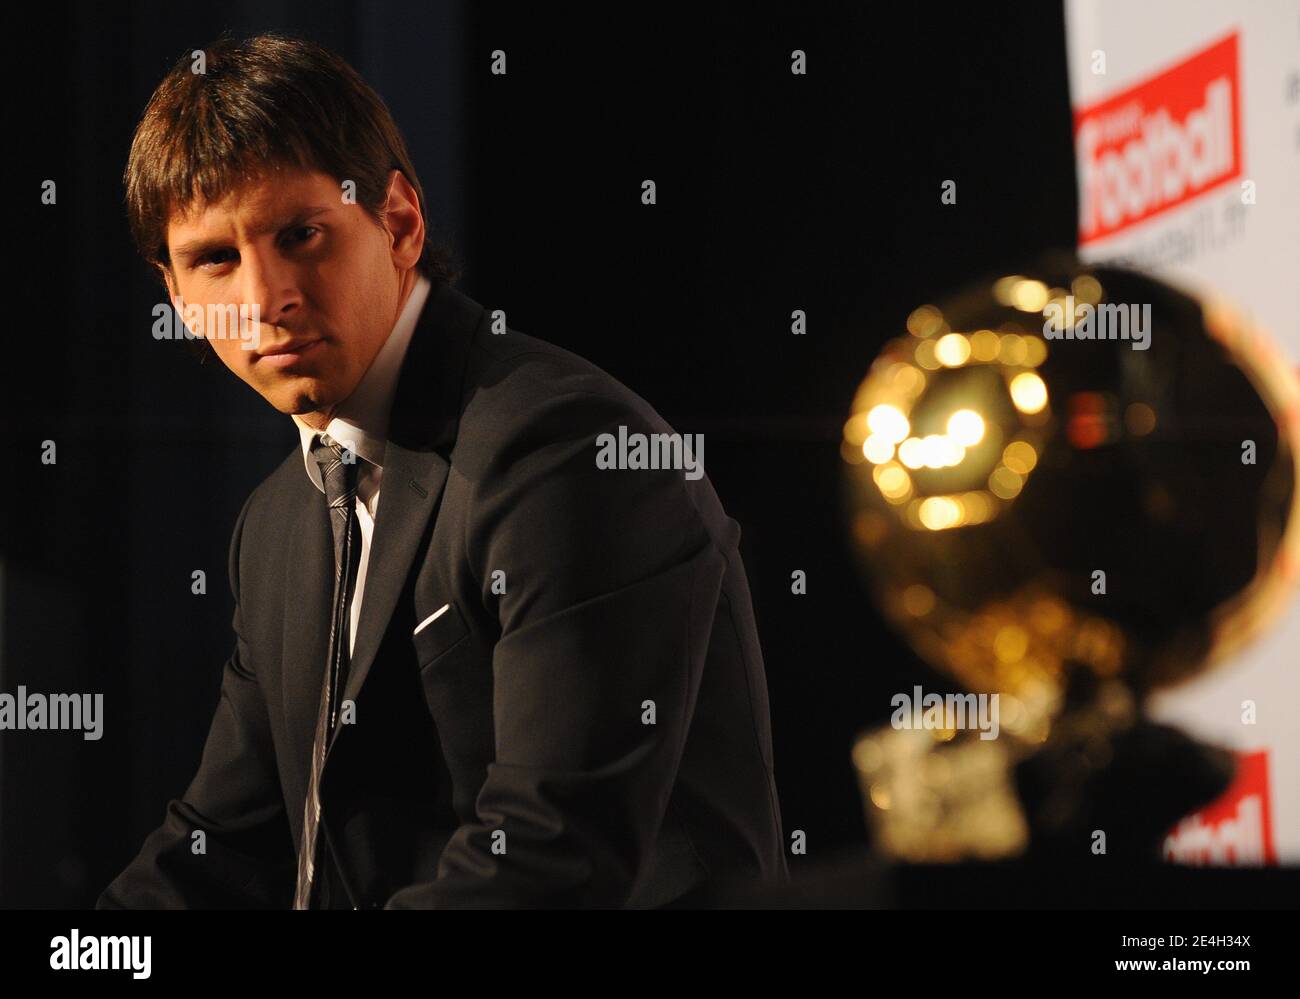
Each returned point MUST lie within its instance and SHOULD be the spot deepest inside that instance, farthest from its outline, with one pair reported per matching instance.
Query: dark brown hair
(264, 103)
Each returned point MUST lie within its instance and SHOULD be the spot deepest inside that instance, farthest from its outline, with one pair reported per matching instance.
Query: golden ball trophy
(1069, 487)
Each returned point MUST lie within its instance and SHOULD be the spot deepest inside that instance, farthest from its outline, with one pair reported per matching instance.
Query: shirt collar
(361, 420)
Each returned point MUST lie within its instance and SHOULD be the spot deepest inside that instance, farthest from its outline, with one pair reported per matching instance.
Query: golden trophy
(1069, 487)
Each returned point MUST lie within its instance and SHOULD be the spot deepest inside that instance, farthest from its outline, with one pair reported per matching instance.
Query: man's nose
(271, 285)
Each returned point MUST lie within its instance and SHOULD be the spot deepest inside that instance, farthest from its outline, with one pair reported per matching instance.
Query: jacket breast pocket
(437, 632)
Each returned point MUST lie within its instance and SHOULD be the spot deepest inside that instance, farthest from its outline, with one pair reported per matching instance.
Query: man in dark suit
(475, 666)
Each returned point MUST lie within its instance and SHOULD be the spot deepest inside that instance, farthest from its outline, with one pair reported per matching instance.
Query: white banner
(1187, 142)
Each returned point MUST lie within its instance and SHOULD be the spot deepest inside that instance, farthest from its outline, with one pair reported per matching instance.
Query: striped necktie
(340, 479)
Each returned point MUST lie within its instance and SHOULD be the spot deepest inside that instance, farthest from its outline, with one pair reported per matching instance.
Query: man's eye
(215, 257)
(303, 233)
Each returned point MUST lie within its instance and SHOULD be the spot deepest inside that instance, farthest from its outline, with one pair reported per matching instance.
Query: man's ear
(403, 220)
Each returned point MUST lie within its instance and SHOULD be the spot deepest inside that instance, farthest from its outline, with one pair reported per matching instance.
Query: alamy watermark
(652, 451)
(216, 321)
(91, 953)
(60, 712)
(946, 711)
(1108, 321)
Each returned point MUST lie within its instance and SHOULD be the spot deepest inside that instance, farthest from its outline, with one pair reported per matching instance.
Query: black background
(775, 192)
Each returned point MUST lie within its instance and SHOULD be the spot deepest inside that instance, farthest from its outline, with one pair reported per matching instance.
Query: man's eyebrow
(196, 247)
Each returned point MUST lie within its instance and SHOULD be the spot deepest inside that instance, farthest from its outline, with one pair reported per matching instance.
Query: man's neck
(318, 420)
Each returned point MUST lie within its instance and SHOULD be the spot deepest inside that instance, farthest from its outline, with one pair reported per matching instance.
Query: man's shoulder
(288, 479)
(517, 381)
(282, 489)
(536, 411)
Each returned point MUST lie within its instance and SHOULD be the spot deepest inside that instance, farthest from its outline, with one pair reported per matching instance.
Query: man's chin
(299, 401)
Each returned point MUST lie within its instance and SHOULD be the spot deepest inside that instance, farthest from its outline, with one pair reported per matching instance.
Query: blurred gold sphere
(1075, 468)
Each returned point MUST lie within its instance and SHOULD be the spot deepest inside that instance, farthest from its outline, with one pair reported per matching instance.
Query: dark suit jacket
(508, 754)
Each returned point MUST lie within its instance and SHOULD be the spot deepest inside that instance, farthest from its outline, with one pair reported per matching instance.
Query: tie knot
(338, 468)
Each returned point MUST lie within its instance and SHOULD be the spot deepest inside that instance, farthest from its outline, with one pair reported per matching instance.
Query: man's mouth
(286, 354)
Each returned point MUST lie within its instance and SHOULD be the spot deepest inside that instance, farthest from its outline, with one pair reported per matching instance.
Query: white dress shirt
(361, 424)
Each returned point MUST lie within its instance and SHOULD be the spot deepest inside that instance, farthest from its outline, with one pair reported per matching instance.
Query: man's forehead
(260, 201)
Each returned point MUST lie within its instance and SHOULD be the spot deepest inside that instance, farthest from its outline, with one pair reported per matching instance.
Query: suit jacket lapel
(412, 485)
(422, 429)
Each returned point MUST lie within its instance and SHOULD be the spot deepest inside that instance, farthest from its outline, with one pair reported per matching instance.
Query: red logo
(1236, 830)
(1159, 144)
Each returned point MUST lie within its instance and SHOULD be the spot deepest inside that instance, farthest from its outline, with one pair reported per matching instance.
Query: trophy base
(1105, 781)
